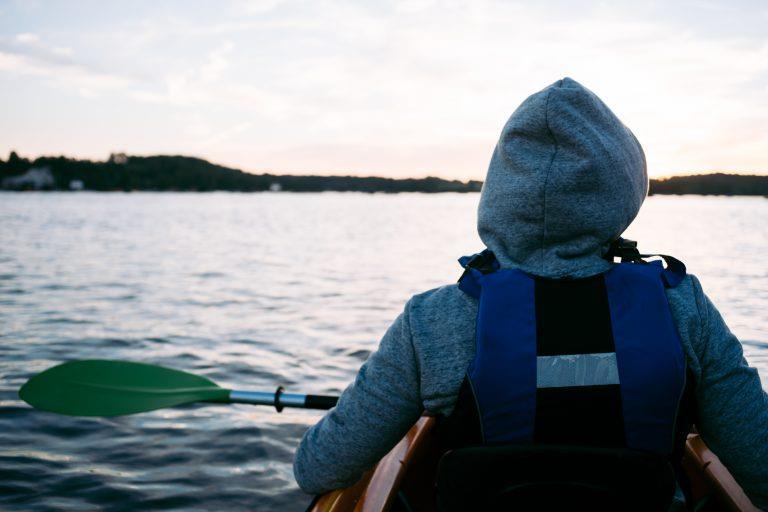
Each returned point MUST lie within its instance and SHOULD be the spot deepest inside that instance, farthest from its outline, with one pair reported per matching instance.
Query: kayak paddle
(113, 388)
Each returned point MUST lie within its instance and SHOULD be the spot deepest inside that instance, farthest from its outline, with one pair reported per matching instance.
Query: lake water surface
(252, 291)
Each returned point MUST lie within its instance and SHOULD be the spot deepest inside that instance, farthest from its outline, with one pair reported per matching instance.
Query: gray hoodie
(566, 178)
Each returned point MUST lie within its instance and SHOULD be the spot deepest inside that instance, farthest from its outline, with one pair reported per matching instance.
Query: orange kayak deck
(410, 467)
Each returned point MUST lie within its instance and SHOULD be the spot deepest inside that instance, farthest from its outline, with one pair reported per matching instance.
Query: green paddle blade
(114, 388)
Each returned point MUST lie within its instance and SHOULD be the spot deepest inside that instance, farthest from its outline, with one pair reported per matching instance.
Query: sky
(400, 88)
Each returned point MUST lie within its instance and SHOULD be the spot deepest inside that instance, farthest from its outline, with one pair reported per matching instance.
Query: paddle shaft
(281, 400)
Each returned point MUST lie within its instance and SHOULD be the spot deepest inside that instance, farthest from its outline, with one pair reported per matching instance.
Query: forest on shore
(121, 172)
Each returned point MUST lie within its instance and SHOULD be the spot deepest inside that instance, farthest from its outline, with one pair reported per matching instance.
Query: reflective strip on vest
(576, 370)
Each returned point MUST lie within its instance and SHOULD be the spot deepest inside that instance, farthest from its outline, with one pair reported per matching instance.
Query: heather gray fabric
(566, 178)
(564, 164)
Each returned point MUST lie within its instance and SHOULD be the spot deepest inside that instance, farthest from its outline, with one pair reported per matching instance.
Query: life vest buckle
(625, 249)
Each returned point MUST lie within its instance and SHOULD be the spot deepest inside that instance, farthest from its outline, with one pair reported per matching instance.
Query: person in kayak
(565, 180)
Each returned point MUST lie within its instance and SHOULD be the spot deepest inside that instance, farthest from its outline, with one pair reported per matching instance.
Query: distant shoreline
(124, 173)
(299, 193)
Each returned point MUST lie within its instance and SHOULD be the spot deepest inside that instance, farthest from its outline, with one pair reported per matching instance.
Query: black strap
(627, 250)
(624, 249)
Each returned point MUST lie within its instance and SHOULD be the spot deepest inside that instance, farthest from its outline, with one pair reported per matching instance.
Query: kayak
(409, 469)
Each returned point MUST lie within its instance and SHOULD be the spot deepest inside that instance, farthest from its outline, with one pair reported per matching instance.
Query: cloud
(251, 7)
(64, 51)
(222, 136)
(28, 38)
(30, 56)
(81, 79)
(216, 63)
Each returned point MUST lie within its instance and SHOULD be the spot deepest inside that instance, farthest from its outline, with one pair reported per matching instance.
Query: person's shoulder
(440, 312)
(442, 327)
(687, 298)
(687, 303)
(442, 298)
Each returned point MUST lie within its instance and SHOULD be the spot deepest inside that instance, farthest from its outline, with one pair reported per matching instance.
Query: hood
(566, 178)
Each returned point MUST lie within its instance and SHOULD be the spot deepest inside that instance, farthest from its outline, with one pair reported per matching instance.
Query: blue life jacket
(592, 361)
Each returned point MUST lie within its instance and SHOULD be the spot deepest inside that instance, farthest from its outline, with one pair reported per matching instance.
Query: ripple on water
(14, 291)
(63, 320)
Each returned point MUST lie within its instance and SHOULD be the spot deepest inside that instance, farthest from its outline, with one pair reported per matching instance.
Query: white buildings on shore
(37, 178)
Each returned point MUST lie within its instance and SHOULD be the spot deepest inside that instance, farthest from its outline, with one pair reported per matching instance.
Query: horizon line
(356, 174)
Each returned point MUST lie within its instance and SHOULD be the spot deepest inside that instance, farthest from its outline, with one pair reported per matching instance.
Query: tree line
(181, 173)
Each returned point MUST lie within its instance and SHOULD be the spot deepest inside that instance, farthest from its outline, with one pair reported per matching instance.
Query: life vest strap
(627, 251)
(484, 262)
(476, 265)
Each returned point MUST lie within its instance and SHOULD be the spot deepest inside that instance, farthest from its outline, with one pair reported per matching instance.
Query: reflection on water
(255, 290)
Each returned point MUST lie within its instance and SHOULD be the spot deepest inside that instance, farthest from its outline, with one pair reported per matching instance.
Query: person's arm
(732, 405)
(372, 415)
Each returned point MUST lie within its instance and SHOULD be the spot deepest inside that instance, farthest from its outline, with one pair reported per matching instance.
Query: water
(254, 290)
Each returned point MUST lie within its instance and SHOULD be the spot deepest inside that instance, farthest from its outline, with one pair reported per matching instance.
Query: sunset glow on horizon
(395, 89)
